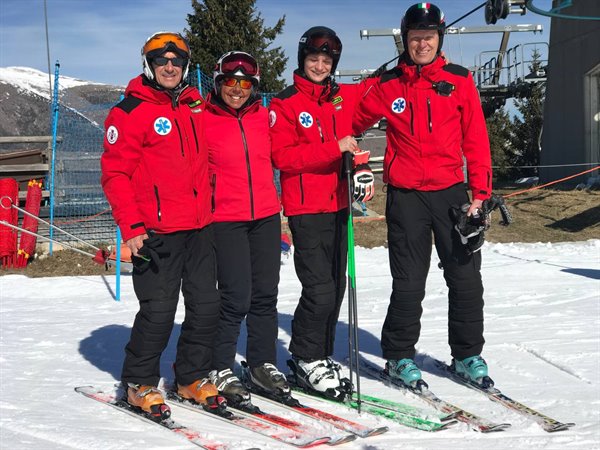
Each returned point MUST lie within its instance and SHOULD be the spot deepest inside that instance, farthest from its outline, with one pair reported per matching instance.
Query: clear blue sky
(100, 40)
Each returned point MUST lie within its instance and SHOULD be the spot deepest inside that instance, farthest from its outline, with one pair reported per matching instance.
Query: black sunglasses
(162, 61)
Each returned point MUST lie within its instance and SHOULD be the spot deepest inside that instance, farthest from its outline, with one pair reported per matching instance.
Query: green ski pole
(352, 307)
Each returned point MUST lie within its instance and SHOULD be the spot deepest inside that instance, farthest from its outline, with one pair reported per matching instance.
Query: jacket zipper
(213, 184)
(247, 167)
(389, 169)
(334, 131)
(429, 114)
(195, 135)
(320, 130)
(412, 121)
(158, 211)
(301, 191)
(180, 137)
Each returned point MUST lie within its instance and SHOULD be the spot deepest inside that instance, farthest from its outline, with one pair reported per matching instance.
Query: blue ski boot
(405, 370)
(473, 369)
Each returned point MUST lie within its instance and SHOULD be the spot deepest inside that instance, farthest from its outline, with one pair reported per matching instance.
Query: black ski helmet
(423, 16)
(319, 40)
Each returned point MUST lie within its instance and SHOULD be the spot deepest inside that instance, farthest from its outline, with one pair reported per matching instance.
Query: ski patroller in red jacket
(155, 161)
(431, 126)
(240, 166)
(306, 123)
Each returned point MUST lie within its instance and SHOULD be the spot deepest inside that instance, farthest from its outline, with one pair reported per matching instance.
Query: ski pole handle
(347, 163)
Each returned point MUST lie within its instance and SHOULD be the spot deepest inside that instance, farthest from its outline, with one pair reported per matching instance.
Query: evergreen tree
(527, 127)
(499, 129)
(218, 26)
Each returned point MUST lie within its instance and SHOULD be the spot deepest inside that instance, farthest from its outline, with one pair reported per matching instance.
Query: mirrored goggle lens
(231, 82)
(325, 44)
(160, 41)
(162, 61)
(239, 61)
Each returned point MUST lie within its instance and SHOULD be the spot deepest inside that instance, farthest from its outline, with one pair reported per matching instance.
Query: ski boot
(406, 371)
(473, 369)
(230, 387)
(204, 393)
(321, 377)
(269, 382)
(149, 400)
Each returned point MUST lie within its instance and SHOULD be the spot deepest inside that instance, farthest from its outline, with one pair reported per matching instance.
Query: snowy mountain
(542, 345)
(25, 98)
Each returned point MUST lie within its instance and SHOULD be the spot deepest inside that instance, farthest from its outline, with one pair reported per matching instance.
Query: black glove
(363, 179)
(150, 253)
(470, 228)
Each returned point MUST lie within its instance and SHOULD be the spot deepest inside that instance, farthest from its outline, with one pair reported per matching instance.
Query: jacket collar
(316, 92)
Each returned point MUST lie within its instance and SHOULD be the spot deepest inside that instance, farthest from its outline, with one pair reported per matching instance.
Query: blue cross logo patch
(399, 105)
(162, 126)
(305, 119)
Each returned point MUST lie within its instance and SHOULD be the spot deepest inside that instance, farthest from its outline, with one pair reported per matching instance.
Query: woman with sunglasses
(311, 127)
(246, 210)
(155, 177)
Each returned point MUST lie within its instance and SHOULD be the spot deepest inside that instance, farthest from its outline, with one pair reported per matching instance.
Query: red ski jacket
(306, 123)
(155, 161)
(240, 167)
(434, 119)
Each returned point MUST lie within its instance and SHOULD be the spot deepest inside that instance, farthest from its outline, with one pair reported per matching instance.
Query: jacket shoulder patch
(128, 104)
(287, 92)
(391, 74)
(455, 69)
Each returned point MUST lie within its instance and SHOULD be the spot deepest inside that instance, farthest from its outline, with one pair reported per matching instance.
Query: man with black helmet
(434, 121)
(155, 177)
(311, 127)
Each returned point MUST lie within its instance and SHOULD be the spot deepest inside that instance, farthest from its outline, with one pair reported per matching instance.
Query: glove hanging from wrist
(363, 179)
(470, 228)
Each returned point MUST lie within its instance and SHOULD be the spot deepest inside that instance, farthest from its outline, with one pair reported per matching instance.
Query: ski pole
(352, 307)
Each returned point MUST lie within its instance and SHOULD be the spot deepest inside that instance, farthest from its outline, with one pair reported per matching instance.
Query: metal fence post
(52, 166)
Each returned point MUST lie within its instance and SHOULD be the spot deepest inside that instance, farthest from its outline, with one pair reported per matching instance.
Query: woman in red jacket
(247, 227)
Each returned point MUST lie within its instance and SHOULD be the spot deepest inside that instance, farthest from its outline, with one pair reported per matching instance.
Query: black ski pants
(320, 258)
(411, 217)
(248, 262)
(190, 267)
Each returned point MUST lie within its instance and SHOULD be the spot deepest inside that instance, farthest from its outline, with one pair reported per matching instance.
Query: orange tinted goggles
(231, 82)
(162, 40)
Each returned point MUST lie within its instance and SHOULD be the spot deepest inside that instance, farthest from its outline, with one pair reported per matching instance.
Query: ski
(341, 423)
(475, 422)
(255, 412)
(419, 422)
(286, 401)
(279, 433)
(547, 423)
(193, 436)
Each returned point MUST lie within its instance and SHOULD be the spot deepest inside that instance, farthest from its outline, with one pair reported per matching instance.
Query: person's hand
(348, 144)
(135, 243)
(475, 208)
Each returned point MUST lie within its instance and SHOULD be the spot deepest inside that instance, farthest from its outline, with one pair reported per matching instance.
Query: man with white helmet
(155, 177)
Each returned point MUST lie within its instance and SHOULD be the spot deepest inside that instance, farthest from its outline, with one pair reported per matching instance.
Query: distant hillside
(25, 101)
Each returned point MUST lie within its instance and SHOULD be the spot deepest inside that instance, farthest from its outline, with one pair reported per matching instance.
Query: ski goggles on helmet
(238, 61)
(324, 43)
(163, 61)
(164, 41)
(231, 82)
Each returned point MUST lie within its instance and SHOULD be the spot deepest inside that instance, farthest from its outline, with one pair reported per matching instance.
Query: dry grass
(539, 216)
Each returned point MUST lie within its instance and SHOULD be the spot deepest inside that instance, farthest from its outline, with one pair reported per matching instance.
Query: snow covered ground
(542, 333)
